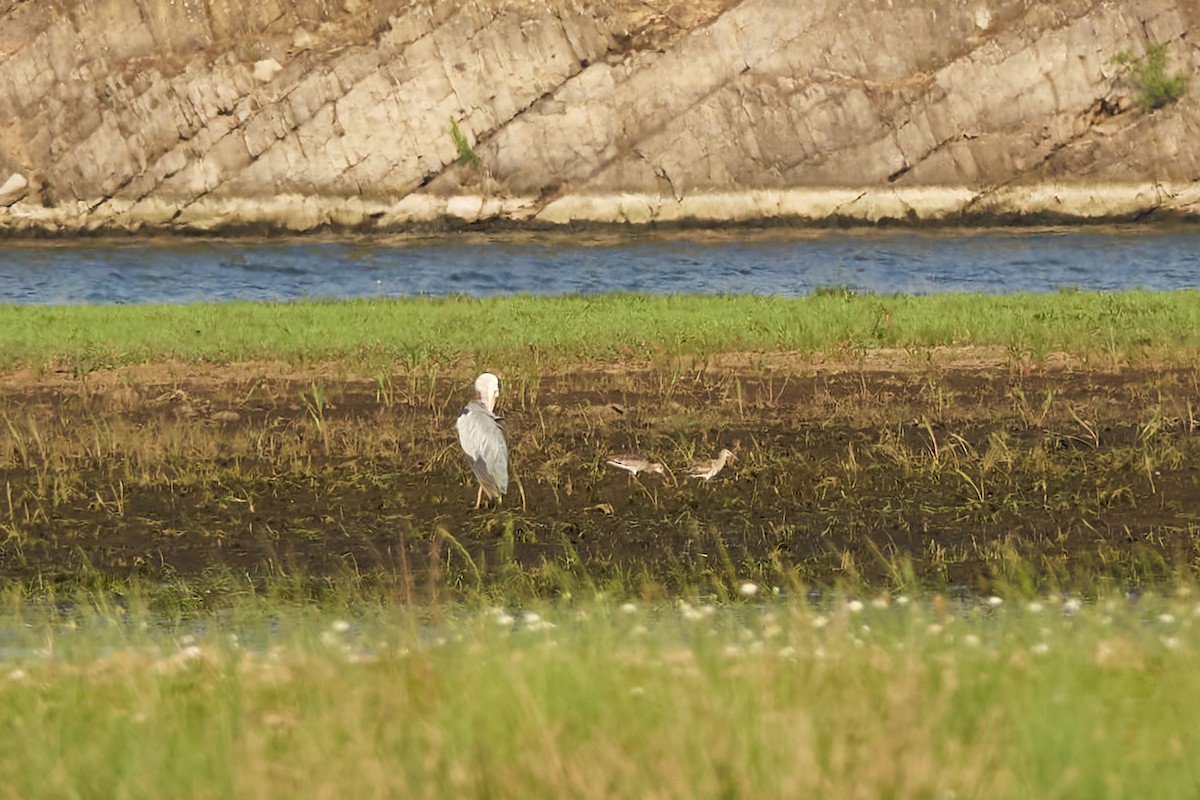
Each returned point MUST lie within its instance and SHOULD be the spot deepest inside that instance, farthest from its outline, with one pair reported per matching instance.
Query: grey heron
(707, 469)
(633, 463)
(483, 440)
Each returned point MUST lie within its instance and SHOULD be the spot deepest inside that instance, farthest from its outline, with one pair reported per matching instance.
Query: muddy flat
(957, 467)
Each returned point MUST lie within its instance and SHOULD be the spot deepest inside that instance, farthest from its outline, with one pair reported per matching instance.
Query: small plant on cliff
(466, 154)
(1149, 73)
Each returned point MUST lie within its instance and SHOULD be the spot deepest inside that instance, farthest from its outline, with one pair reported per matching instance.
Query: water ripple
(170, 271)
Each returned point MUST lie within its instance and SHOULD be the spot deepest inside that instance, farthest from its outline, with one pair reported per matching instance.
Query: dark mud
(882, 469)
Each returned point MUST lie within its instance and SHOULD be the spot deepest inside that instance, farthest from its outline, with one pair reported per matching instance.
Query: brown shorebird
(633, 463)
(707, 469)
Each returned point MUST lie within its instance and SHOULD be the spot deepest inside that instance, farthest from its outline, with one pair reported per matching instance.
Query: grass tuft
(466, 154)
(1149, 74)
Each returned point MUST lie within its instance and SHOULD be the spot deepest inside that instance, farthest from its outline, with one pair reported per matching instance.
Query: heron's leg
(479, 496)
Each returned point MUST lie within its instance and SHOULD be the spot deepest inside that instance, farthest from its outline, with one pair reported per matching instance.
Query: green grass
(602, 698)
(466, 154)
(617, 326)
(1149, 75)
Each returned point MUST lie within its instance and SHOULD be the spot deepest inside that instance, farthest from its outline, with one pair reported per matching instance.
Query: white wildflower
(855, 606)
(1166, 619)
(748, 589)
(1035, 607)
(628, 608)
(339, 626)
(995, 602)
(1040, 649)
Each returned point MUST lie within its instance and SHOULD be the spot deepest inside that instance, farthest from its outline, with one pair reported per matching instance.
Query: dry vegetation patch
(938, 467)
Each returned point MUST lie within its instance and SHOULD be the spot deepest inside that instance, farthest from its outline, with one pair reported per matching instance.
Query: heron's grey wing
(483, 441)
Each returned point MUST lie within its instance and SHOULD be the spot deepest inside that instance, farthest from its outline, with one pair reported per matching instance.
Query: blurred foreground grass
(611, 326)
(761, 696)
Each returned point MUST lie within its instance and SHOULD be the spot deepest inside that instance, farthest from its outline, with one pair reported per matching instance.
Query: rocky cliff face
(298, 114)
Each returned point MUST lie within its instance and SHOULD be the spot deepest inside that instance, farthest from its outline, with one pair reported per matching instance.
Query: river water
(772, 262)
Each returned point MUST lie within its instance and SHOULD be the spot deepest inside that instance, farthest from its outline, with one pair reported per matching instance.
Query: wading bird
(633, 463)
(707, 469)
(483, 441)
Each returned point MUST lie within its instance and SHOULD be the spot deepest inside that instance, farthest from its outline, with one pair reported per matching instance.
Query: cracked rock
(180, 115)
(266, 70)
(13, 189)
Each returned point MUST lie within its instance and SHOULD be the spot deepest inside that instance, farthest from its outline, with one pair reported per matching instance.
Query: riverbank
(931, 207)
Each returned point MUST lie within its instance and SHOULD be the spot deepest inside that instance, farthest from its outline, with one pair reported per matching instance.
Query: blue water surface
(774, 262)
